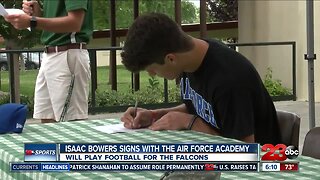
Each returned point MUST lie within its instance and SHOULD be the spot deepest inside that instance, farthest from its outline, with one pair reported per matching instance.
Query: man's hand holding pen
(136, 117)
(135, 108)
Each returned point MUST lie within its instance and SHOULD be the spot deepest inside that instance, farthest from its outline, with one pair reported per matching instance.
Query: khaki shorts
(53, 83)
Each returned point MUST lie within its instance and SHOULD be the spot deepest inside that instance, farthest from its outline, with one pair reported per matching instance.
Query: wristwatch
(33, 23)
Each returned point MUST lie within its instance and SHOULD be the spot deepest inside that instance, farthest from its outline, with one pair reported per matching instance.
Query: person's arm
(158, 113)
(144, 117)
(70, 23)
(201, 126)
(248, 139)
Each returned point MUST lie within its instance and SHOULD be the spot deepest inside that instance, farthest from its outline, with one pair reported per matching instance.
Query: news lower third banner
(159, 152)
(144, 157)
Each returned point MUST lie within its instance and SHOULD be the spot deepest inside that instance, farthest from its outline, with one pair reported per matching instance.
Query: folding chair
(289, 124)
(311, 145)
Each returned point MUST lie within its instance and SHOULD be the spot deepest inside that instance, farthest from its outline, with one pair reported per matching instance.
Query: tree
(222, 10)
(101, 14)
(124, 11)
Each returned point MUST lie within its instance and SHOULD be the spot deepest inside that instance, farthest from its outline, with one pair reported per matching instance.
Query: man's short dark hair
(150, 38)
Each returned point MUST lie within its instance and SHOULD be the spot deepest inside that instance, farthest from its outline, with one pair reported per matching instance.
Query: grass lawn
(28, 78)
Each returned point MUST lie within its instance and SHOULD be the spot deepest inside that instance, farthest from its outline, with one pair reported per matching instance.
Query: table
(12, 149)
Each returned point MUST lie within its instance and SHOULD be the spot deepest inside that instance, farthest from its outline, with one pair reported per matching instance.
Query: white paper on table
(116, 128)
(5, 12)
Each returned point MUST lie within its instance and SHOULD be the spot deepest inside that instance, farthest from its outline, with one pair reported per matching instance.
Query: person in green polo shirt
(62, 86)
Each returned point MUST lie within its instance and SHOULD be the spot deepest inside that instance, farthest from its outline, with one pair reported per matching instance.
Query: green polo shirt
(60, 8)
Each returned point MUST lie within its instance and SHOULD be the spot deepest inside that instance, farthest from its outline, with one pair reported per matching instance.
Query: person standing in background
(62, 86)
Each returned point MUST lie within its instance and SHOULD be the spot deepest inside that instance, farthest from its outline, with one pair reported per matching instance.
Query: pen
(135, 108)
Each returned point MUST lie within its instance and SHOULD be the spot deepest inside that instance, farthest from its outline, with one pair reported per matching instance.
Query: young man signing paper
(222, 92)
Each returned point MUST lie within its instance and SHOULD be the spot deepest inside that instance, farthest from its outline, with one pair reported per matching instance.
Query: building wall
(103, 57)
(269, 21)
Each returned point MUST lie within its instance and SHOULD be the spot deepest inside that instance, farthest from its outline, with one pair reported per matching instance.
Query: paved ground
(302, 109)
(298, 107)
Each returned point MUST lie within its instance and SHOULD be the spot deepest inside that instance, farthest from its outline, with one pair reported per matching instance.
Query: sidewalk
(302, 109)
(298, 107)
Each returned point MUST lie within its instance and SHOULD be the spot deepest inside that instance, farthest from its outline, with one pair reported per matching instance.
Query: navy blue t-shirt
(227, 92)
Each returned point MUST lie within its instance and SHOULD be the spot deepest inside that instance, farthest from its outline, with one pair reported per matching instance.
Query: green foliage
(222, 10)
(113, 98)
(189, 13)
(27, 80)
(174, 94)
(153, 83)
(152, 95)
(5, 98)
(125, 16)
(274, 86)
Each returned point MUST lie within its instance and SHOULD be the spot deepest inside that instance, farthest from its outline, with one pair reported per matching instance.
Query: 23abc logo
(280, 152)
(209, 167)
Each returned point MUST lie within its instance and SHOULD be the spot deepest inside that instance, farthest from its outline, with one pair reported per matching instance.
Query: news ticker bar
(142, 152)
(247, 167)
(65, 167)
